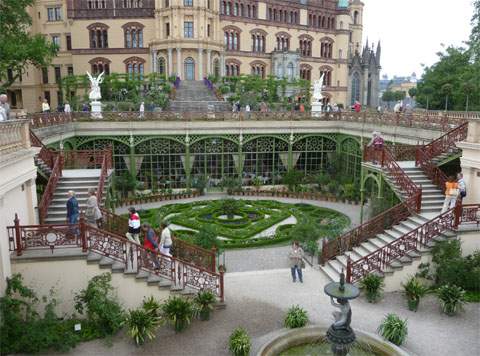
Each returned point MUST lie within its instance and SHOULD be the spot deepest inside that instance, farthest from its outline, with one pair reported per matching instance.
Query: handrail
(411, 241)
(106, 165)
(106, 243)
(444, 142)
(384, 220)
(197, 255)
(50, 188)
(47, 155)
(430, 169)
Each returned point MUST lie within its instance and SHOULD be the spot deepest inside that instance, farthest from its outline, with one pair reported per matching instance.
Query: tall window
(327, 76)
(133, 34)
(132, 3)
(167, 29)
(134, 67)
(188, 29)
(356, 16)
(355, 88)
(167, 3)
(45, 75)
(54, 13)
(305, 72)
(232, 68)
(187, 2)
(58, 74)
(100, 65)
(56, 40)
(258, 42)
(326, 48)
(208, 30)
(305, 45)
(283, 42)
(68, 40)
(161, 65)
(98, 35)
(232, 39)
(70, 70)
(99, 4)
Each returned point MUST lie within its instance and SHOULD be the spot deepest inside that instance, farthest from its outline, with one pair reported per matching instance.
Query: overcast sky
(411, 31)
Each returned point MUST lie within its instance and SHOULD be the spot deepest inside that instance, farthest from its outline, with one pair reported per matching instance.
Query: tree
(428, 91)
(388, 96)
(412, 92)
(19, 48)
(468, 88)
(474, 42)
(399, 95)
(447, 90)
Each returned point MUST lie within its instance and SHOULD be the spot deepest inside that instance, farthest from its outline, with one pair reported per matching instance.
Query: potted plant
(452, 298)
(178, 312)
(373, 285)
(239, 342)
(393, 329)
(205, 300)
(414, 290)
(141, 325)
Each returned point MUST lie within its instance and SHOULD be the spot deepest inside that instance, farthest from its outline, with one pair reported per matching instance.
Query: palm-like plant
(414, 290)
(393, 329)
(452, 298)
(178, 311)
(141, 325)
(205, 300)
(373, 286)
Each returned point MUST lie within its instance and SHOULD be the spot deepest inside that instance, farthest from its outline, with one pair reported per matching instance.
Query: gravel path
(259, 300)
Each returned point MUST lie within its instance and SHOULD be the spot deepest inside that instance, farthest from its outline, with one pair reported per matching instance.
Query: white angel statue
(95, 86)
(317, 89)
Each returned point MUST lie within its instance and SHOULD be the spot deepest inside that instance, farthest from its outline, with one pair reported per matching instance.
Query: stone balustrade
(14, 136)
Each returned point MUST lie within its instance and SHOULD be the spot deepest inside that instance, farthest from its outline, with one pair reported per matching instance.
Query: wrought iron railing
(47, 155)
(380, 259)
(107, 160)
(445, 142)
(39, 120)
(50, 188)
(134, 257)
(183, 250)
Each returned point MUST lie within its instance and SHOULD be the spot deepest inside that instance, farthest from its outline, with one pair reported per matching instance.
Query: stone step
(332, 274)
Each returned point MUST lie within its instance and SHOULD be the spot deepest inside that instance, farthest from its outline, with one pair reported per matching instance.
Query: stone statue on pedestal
(95, 95)
(316, 97)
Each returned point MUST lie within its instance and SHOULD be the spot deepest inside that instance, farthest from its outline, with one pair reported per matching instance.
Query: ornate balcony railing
(13, 136)
(106, 243)
(445, 142)
(416, 120)
(78, 9)
(411, 241)
(86, 159)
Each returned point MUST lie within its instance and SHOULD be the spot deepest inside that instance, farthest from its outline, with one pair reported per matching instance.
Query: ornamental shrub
(393, 329)
(452, 298)
(239, 343)
(101, 305)
(373, 286)
(296, 317)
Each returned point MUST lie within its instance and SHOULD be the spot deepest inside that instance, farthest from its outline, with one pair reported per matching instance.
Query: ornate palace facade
(195, 38)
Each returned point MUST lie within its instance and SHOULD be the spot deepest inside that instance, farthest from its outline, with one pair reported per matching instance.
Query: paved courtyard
(259, 300)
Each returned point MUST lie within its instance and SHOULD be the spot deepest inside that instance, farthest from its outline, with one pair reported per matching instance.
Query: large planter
(413, 304)
(204, 314)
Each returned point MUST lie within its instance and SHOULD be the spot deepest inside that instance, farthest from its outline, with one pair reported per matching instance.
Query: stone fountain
(340, 335)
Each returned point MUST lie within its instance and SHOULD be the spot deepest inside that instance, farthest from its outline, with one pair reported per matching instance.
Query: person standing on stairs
(133, 226)
(462, 186)
(451, 194)
(150, 243)
(165, 240)
(93, 213)
(72, 211)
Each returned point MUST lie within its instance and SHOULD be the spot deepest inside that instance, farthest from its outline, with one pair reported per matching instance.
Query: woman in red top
(357, 107)
(150, 244)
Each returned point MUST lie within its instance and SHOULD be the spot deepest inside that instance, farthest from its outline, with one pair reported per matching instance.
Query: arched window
(258, 68)
(355, 88)
(305, 45)
(327, 78)
(161, 65)
(232, 67)
(98, 35)
(216, 67)
(258, 40)
(232, 38)
(356, 17)
(305, 72)
(134, 66)
(326, 47)
(283, 41)
(99, 65)
(133, 34)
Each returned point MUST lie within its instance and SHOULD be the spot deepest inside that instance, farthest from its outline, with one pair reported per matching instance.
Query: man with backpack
(133, 226)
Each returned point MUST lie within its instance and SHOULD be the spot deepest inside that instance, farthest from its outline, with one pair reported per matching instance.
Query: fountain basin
(288, 339)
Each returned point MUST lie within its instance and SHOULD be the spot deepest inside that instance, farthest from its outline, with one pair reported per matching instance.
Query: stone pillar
(155, 62)
(152, 60)
(170, 62)
(209, 62)
(200, 64)
(470, 161)
(222, 65)
(179, 63)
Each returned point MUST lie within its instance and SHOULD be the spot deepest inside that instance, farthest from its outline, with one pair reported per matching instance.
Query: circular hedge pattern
(244, 223)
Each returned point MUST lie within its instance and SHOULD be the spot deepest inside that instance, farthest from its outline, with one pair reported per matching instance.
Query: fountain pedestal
(340, 335)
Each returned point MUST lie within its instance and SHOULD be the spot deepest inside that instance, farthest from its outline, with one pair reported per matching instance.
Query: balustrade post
(222, 287)
(348, 277)
(18, 238)
(457, 212)
(83, 232)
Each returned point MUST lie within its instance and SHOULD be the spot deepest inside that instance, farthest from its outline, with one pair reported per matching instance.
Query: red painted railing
(85, 159)
(47, 155)
(107, 161)
(385, 220)
(50, 188)
(183, 250)
(134, 257)
(445, 142)
(49, 119)
(411, 241)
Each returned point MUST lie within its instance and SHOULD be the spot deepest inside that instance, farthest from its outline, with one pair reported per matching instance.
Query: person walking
(5, 106)
(296, 261)
(67, 109)
(72, 211)
(247, 111)
(142, 110)
(451, 194)
(377, 143)
(150, 244)
(357, 107)
(93, 213)
(45, 106)
(165, 240)
(462, 186)
(133, 226)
